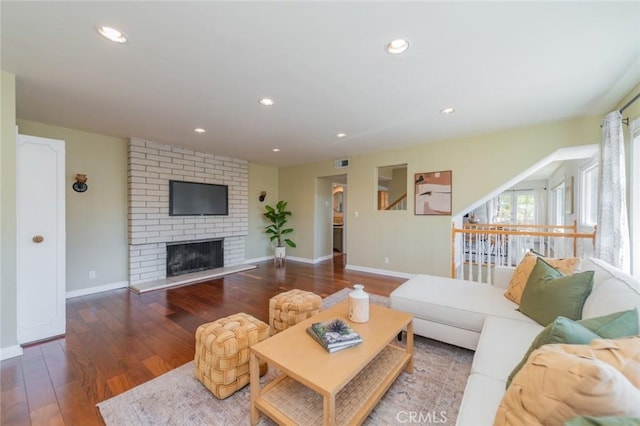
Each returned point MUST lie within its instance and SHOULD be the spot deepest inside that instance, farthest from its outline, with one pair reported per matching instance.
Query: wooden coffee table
(317, 387)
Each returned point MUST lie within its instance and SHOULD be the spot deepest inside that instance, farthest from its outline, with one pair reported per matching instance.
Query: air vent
(342, 163)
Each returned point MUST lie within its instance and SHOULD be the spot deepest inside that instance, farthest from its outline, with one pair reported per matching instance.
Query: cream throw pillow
(560, 382)
(523, 270)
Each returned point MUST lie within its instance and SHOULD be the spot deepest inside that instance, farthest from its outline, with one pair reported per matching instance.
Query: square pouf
(289, 308)
(222, 352)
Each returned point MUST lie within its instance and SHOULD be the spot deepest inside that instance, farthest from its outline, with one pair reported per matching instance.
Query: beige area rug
(433, 392)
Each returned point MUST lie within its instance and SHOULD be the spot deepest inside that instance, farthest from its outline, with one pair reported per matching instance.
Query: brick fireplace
(150, 167)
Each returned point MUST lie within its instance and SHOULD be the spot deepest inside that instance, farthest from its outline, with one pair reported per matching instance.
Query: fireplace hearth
(194, 256)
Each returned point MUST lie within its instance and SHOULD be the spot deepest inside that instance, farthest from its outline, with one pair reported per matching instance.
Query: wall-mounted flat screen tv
(198, 199)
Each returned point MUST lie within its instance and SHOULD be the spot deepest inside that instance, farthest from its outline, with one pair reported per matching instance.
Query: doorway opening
(338, 216)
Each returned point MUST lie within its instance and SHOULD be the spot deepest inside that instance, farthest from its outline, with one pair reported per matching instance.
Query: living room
(483, 161)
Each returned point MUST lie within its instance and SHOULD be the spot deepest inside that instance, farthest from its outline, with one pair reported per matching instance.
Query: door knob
(38, 239)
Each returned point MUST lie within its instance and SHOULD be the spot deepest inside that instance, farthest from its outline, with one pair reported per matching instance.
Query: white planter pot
(280, 253)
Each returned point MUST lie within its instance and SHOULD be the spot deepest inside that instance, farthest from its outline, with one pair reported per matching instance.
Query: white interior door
(40, 238)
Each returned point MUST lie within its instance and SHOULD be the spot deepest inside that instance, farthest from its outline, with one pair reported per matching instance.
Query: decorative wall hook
(262, 196)
(80, 185)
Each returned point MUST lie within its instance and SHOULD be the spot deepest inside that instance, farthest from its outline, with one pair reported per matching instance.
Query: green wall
(96, 219)
(421, 244)
(261, 178)
(8, 314)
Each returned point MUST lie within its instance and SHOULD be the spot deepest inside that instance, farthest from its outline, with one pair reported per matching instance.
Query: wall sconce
(262, 196)
(80, 185)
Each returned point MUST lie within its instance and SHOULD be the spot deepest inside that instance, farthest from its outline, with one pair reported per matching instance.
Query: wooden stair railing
(396, 202)
(483, 246)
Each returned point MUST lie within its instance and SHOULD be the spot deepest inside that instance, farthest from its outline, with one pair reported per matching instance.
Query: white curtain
(635, 197)
(492, 209)
(540, 203)
(612, 237)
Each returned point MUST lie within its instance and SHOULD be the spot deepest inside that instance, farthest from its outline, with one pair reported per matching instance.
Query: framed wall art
(433, 193)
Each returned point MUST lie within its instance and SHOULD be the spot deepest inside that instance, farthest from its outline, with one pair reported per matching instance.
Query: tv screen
(197, 199)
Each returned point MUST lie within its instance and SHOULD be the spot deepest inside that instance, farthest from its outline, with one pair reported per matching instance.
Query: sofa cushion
(604, 271)
(548, 296)
(458, 303)
(564, 330)
(512, 337)
(523, 270)
(480, 400)
(560, 382)
(613, 290)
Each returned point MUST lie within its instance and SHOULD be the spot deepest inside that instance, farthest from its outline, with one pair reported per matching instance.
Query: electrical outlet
(92, 275)
(386, 260)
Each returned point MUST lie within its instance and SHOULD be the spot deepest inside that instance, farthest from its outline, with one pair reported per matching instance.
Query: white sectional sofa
(479, 317)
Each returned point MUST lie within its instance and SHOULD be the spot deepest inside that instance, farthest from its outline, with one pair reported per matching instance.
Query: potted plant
(277, 229)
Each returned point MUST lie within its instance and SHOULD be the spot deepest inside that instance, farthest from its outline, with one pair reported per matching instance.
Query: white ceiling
(205, 64)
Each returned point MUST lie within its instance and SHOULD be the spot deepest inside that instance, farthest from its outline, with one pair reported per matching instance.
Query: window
(589, 193)
(557, 214)
(516, 207)
(525, 208)
(504, 208)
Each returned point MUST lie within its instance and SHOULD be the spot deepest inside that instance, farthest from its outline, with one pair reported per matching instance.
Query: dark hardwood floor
(117, 340)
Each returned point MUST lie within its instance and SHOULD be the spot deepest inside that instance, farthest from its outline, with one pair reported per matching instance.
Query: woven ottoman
(289, 308)
(222, 352)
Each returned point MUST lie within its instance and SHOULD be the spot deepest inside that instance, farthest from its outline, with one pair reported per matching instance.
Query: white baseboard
(294, 258)
(323, 258)
(380, 271)
(99, 289)
(312, 261)
(300, 259)
(330, 256)
(10, 352)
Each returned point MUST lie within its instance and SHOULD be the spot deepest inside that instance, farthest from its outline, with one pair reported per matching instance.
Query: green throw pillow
(614, 326)
(564, 330)
(603, 421)
(550, 294)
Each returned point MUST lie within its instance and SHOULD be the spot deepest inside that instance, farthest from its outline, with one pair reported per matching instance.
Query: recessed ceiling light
(341, 135)
(111, 34)
(199, 130)
(265, 102)
(397, 46)
(276, 150)
(445, 111)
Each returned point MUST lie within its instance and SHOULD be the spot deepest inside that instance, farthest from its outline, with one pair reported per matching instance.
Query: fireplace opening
(194, 256)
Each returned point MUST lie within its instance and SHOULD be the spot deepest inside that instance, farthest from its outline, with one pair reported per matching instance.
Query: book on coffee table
(334, 335)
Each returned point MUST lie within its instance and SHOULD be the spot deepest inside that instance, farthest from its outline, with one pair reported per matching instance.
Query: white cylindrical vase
(358, 304)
